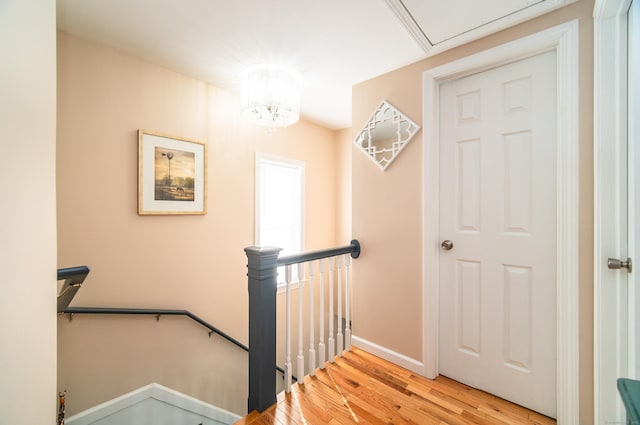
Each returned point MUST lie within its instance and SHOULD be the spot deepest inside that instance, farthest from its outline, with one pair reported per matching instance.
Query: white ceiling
(331, 44)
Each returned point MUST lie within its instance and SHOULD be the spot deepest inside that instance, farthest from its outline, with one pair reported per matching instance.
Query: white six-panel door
(617, 202)
(498, 208)
(634, 184)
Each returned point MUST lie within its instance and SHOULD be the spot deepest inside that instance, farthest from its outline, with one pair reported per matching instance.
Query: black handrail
(155, 312)
(159, 312)
(69, 272)
(353, 248)
(72, 279)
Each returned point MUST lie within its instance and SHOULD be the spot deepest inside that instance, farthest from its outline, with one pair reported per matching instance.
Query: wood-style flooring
(360, 388)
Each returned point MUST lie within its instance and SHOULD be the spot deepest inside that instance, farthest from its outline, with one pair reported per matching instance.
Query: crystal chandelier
(270, 96)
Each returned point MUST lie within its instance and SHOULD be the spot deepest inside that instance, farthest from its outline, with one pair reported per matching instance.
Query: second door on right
(498, 191)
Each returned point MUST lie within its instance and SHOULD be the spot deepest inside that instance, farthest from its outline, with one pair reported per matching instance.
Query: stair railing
(158, 312)
(262, 265)
(73, 278)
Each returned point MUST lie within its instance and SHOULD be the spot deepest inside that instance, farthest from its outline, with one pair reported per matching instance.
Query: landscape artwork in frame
(172, 175)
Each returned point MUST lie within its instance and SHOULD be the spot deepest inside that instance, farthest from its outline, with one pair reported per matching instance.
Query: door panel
(518, 202)
(467, 162)
(518, 317)
(468, 307)
(498, 205)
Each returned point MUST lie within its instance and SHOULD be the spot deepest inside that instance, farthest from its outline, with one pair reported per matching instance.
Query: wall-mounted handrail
(155, 312)
(79, 272)
(72, 279)
(161, 312)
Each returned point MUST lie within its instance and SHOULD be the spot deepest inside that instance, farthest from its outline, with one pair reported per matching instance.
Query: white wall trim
(157, 392)
(609, 144)
(389, 355)
(564, 40)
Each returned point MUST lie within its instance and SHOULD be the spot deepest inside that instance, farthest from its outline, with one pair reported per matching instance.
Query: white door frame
(564, 40)
(610, 145)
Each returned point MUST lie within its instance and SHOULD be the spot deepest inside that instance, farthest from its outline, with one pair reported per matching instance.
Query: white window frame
(263, 158)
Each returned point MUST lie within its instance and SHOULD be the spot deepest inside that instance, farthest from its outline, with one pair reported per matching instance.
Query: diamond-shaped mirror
(385, 134)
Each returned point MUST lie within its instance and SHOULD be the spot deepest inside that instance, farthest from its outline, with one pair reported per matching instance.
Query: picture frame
(172, 175)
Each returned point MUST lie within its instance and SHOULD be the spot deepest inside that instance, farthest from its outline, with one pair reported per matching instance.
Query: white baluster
(339, 336)
(287, 362)
(347, 302)
(300, 325)
(331, 341)
(322, 351)
(312, 337)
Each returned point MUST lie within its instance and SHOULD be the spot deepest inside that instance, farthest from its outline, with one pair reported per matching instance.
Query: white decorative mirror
(385, 134)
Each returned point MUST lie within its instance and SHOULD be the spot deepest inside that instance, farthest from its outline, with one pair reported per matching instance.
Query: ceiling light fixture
(270, 96)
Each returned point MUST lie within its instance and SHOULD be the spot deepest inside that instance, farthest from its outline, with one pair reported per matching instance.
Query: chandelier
(270, 96)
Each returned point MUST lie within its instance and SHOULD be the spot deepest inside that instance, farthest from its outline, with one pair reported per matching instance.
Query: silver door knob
(446, 245)
(614, 263)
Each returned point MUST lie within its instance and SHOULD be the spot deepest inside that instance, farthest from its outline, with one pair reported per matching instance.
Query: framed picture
(172, 175)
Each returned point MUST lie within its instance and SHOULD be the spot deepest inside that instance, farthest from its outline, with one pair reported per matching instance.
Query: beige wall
(186, 262)
(387, 207)
(28, 213)
(343, 187)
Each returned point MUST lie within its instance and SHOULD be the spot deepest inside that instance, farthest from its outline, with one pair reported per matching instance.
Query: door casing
(564, 40)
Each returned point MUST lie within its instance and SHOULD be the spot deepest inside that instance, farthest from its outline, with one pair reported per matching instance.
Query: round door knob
(447, 245)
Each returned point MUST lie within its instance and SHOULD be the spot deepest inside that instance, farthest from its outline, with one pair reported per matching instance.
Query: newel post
(262, 265)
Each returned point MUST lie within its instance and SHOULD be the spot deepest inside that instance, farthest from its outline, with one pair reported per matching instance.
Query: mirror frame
(366, 136)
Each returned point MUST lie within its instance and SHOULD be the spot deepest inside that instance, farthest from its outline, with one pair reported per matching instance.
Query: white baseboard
(389, 355)
(153, 404)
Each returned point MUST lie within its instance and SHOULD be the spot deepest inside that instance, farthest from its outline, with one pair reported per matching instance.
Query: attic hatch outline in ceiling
(409, 22)
(503, 21)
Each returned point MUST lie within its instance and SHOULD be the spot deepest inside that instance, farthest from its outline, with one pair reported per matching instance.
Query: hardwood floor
(364, 389)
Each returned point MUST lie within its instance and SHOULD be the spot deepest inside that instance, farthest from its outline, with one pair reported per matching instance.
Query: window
(280, 205)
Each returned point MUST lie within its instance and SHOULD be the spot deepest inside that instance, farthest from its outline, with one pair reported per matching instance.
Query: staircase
(153, 405)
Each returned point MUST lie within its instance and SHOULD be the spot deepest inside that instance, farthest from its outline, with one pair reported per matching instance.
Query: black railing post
(262, 265)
